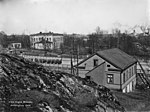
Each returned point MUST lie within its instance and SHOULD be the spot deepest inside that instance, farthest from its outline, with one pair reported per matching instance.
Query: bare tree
(98, 30)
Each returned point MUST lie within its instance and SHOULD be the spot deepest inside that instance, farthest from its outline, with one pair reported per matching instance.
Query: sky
(71, 16)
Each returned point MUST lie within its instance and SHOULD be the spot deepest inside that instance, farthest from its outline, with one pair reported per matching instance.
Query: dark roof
(49, 33)
(117, 58)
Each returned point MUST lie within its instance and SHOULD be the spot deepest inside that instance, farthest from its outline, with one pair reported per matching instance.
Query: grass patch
(135, 101)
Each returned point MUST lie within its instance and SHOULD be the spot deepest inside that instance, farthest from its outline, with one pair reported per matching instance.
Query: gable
(88, 63)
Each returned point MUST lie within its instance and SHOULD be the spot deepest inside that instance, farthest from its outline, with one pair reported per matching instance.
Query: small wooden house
(112, 68)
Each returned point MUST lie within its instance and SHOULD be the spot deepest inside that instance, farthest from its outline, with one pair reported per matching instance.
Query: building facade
(112, 68)
(46, 40)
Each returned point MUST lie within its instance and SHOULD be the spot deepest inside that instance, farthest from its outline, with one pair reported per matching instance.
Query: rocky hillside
(27, 86)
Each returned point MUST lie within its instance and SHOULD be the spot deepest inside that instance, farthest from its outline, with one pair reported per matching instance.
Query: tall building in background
(48, 40)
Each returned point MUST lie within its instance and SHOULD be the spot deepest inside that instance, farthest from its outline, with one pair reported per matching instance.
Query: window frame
(108, 65)
(135, 68)
(130, 75)
(110, 76)
(124, 77)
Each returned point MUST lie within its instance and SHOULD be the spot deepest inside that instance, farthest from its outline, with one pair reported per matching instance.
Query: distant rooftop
(46, 33)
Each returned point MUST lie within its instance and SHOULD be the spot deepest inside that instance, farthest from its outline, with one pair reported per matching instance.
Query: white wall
(34, 39)
(130, 73)
(128, 86)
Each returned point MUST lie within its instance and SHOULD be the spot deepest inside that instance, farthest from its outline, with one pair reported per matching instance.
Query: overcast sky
(70, 16)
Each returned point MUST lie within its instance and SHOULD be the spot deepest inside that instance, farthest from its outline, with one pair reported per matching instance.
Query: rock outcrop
(28, 86)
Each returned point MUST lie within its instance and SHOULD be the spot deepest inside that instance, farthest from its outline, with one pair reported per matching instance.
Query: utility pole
(93, 47)
(118, 39)
(71, 64)
(72, 50)
(118, 42)
(77, 59)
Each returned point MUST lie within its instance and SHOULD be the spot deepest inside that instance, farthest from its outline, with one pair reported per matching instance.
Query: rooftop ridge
(117, 57)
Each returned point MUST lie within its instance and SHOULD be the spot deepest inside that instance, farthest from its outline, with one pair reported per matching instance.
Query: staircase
(144, 77)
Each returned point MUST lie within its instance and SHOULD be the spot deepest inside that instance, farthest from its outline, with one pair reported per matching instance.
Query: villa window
(110, 78)
(40, 39)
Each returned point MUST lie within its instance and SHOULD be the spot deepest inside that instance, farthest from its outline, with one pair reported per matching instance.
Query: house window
(124, 77)
(135, 69)
(130, 73)
(108, 65)
(88, 78)
(110, 78)
(95, 62)
(132, 70)
(81, 67)
(127, 75)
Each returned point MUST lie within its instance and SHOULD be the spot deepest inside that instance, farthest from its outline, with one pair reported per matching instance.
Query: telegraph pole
(118, 39)
(77, 59)
(72, 50)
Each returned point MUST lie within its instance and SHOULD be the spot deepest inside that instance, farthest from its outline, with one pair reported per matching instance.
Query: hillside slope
(27, 86)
